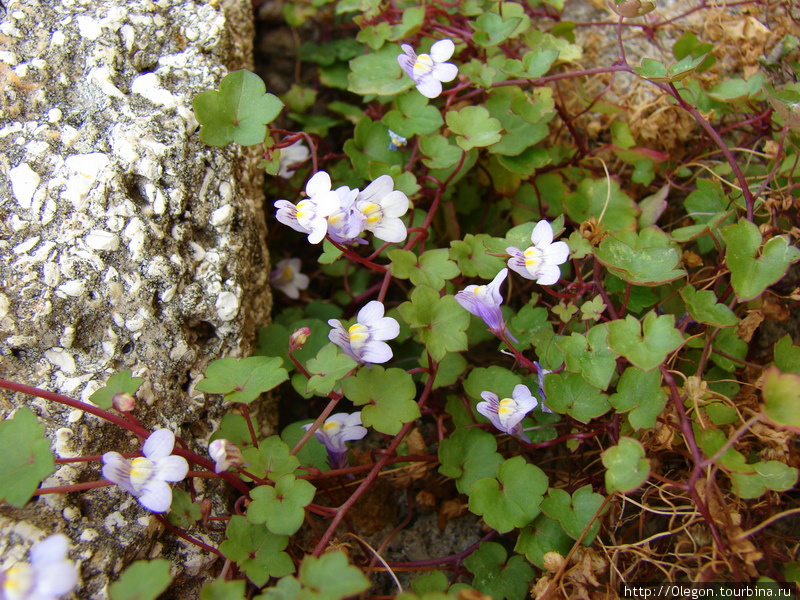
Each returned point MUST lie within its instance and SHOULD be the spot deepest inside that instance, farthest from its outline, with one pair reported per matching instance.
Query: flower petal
(394, 204)
(429, 86)
(318, 184)
(58, 580)
(390, 230)
(159, 444)
(445, 71)
(442, 50)
(171, 468)
(376, 353)
(384, 329)
(118, 470)
(542, 234)
(156, 496)
(376, 190)
(547, 274)
(556, 253)
(371, 312)
(50, 550)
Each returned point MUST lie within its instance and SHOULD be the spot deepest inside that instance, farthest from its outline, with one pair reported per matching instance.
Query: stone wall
(125, 243)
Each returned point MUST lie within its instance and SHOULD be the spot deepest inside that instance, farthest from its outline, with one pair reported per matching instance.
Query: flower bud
(225, 454)
(299, 338)
(123, 402)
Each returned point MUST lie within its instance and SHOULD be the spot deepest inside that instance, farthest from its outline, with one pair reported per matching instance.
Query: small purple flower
(507, 414)
(292, 156)
(540, 373)
(225, 454)
(308, 216)
(429, 70)
(396, 141)
(286, 277)
(382, 207)
(540, 261)
(146, 477)
(346, 223)
(364, 341)
(335, 431)
(48, 576)
(484, 301)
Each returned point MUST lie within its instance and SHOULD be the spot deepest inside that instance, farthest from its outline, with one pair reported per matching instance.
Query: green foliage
(433, 268)
(645, 258)
(542, 536)
(142, 580)
(782, 398)
(27, 458)
(644, 344)
(387, 397)
(704, 308)
(474, 127)
(639, 394)
(271, 459)
(280, 507)
(751, 274)
(120, 383)
(469, 455)
(238, 112)
(440, 321)
(497, 578)
(258, 552)
(224, 590)
(589, 356)
(578, 515)
(242, 380)
(627, 468)
(512, 499)
(183, 512)
(571, 394)
(328, 577)
(327, 369)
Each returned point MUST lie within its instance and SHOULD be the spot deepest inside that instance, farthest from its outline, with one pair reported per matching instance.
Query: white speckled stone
(125, 243)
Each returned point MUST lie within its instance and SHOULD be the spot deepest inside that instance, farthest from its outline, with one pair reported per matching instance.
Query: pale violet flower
(146, 477)
(335, 431)
(541, 372)
(308, 216)
(291, 156)
(396, 141)
(382, 206)
(48, 576)
(484, 301)
(346, 223)
(507, 414)
(225, 454)
(429, 70)
(286, 277)
(541, 261)
(365, 340)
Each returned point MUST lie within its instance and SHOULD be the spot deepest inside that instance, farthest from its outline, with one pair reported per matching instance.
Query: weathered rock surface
(125, 243)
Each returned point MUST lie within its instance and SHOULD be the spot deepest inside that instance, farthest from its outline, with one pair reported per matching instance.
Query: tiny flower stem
(246, 415)
(186, 536)
(317, 424)
(356, 257)
(299, 366)
(74, 487)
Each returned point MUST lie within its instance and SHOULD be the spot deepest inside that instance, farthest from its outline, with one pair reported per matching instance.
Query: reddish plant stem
(318, 423)
(246, 415)
(366, 484)
(74, 487)
(186, 536)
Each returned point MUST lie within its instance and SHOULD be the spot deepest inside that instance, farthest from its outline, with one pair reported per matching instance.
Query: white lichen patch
(24, 182)
(222, 215)
(148, 85)
(227, 306)
(84, 170)
(97, 239)
(61, 359)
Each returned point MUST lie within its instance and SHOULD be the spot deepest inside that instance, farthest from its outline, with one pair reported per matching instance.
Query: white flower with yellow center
(308, 216)
(292, 156)
(541, 261)
(146, 477)
(382, 207)
(286, 277)
(364, 341)
(507, 414)
(335, 431)
(429, 70)
(48, 576)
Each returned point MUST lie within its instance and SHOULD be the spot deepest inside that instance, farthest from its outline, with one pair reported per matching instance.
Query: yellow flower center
(141, 470)
(302, 211)
(358, 332)
(506, 407)
(423, 65)
(331, 428)
(18, 582)
(479, 289)
(533, 258)
(373, 213)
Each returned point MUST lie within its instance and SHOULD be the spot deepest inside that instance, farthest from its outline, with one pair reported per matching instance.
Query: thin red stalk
(74, 487)
(186, 536)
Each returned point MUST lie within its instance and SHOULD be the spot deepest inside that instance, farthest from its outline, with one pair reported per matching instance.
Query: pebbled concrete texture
(125, 243)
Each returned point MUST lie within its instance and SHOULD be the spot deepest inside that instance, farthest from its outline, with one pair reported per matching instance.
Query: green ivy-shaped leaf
(331, 577)
(533, 64)
(590, 356)
(378, 73)
(596, 197)
(280, 508)
(234, 428)
(438, 152)
(569, 393)
(575, 513)
(142, 580)
(183, 512)
(313, 452)
(496, 578)
(542, 536)
(243, 380)
(431, 269)
(474, 126)
(414, 116)
(639, 394)
(657, 71)
(781, 399)
(752, 274)
(329, 366)
(512, 499)
(258, 552)
(121, 383)
(238, 112)
(469, 455)
(474, 258)
(440, 322)
(627, 468)
(787, 355)
(770, 475)
(271, 459)
(704, 308)
(646, 344)
(491, 29)
(27, 458)
(645, 258)
(224, 590)
(387, 397)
